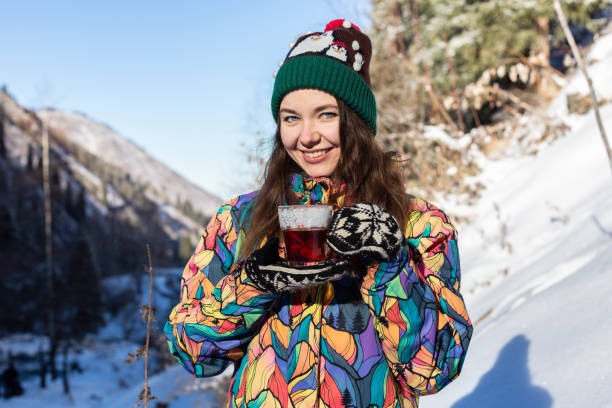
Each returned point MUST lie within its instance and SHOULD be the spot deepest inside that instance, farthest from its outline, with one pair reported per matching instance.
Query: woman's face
(310, 130)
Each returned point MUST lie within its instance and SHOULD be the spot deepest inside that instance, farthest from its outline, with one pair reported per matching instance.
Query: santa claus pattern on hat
(322, 43)
(333, 43)
(317, 42)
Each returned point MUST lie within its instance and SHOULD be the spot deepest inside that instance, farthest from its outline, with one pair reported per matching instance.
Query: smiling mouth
(317, 154)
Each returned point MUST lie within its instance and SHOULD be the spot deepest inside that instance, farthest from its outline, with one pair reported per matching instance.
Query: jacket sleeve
(220, 309)
(419, 314)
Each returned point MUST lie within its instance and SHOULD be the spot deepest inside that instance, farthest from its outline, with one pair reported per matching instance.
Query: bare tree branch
(582, 66)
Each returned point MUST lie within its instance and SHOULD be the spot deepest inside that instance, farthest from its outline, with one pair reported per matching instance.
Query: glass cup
(304, 230)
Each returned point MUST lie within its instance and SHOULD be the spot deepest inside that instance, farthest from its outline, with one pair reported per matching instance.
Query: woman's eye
(290, 118)
(329, 115)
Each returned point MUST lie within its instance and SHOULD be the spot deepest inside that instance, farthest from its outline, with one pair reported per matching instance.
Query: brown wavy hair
(372, 175)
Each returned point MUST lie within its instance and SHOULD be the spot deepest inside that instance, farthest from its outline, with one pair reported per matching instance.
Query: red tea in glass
(305, 244)
(304, 231)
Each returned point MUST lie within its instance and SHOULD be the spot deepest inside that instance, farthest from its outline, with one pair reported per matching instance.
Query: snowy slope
(106, 381)
(542, 308)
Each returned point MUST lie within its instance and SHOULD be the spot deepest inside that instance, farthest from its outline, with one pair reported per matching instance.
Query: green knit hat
(336, 61)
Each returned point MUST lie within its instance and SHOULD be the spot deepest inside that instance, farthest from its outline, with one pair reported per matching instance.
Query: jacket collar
(311, 190)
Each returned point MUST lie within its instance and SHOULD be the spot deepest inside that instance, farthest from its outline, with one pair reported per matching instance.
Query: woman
(378, 324)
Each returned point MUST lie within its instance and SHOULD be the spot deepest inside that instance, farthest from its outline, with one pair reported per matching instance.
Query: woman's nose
(310, 135)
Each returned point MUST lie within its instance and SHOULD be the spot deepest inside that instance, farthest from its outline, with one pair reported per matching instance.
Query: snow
(535, 265)
(599, 70)
(439, 135)
(536, 260)
(22, 343)
(107, 381)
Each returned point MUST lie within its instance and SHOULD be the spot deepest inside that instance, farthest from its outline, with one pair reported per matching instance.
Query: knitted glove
(269, 272)
(365, 229)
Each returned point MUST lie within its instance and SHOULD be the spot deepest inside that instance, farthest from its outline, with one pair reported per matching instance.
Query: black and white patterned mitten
(269, 272)
(365, 229)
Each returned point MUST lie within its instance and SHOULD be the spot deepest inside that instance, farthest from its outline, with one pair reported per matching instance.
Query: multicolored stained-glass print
(379, 341)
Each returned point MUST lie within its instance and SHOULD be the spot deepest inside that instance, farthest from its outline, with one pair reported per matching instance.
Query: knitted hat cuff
(325, 74)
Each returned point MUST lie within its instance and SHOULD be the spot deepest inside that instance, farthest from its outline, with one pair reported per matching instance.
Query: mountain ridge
(97, 137)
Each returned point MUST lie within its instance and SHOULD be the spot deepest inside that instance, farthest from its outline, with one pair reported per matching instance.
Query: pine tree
(69, 199)
(332, 320)
(81, 206)
(347, 400)
(55, 182)
(30, 158)
(341, 321)
(2, 143)
(359, 321)
(105, 193)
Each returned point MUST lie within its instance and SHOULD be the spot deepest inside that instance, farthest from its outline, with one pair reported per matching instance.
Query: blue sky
(188, 81)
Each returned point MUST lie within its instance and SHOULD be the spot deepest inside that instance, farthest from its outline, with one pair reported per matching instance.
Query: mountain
(109, 199)
(111, 168)
(102, 141)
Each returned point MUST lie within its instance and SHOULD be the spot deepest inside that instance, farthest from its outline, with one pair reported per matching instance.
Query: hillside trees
(81, 301)
(460, 64)
(90, 241)
(187, 208)
(450, 44)
(2, 145)
(93, 239)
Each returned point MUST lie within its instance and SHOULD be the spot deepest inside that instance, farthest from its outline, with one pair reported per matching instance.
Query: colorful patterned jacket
(380, 341)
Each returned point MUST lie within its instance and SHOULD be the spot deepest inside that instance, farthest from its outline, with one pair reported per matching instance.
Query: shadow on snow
(508, 383)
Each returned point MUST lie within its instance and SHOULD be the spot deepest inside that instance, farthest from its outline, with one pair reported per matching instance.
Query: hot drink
(305, 244)
(305, 231)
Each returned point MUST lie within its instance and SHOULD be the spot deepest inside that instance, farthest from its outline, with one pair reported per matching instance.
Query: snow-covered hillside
(104, 142)
(101, 181)
(537, 270)
(537, 266)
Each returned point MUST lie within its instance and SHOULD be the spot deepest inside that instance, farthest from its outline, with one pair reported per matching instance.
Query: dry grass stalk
(147, 312)
(149, 315)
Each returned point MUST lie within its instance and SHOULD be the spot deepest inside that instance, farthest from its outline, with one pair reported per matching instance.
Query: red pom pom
(335, 24)
(332, 25)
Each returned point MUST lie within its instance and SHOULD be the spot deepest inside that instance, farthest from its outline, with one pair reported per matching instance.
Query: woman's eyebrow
(326, 107)
(317, 109)
(287, 110)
